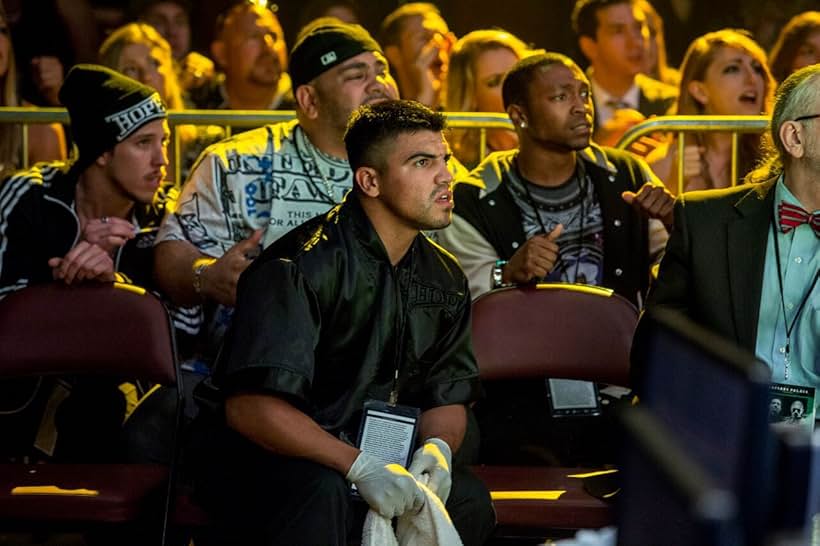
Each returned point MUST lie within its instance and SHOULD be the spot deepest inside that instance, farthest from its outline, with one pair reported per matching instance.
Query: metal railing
(735, 125)
(236, 118)
(457, 120)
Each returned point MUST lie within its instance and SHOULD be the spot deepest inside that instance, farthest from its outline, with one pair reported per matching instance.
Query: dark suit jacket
(713, 266)
(656, 98)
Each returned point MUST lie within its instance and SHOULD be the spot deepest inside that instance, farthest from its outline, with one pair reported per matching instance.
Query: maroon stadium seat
(108, 330)
(556, 331)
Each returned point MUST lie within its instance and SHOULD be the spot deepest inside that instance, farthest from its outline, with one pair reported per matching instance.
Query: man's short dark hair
(240, 6)
(373, 125)
(514, 90)
(391, 26)
(585, 15)
(137, 8)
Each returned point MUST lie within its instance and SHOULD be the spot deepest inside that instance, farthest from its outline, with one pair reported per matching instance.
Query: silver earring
(523, 124)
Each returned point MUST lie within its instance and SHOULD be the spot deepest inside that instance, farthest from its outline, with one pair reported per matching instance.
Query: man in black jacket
(557, 209)
(744, 262)
(613, 35)
(93, 217)
(353, 306)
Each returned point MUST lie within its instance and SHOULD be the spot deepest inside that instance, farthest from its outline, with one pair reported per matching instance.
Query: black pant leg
(258, 498)
(312, 508)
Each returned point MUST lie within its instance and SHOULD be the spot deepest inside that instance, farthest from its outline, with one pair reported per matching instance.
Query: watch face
(497, 275)
(198, 276)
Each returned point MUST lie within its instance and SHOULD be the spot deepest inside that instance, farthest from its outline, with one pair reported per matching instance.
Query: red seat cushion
(574, 509)
(122, 491)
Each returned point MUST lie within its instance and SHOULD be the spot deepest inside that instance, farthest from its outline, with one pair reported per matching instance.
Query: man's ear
(791, 135)
(589, 48)
(517, 116)
(367, 179)
(104, 158)
(219, 53)
(698, 92)
(307, 99)
(393, 55)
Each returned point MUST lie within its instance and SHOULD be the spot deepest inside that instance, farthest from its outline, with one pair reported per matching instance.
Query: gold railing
(236, 118)
(457, 120)
(696, 124)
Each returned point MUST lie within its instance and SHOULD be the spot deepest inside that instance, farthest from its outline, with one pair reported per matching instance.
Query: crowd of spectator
(551, 202)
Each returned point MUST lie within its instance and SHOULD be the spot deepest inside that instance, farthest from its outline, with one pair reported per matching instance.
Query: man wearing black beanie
(249, 190)
(87, 220)
(90, 218)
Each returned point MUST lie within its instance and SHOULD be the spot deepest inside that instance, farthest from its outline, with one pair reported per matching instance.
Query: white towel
(432, 526)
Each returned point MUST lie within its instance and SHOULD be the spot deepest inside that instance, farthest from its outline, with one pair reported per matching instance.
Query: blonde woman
(723, 73)
(46, 142)
(140, 52)
(478, 63)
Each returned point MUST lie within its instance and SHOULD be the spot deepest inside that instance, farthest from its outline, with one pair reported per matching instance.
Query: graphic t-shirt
(575, 205)
(271, 178)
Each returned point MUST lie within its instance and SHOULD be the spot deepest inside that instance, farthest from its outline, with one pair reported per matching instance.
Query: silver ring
(104, 219)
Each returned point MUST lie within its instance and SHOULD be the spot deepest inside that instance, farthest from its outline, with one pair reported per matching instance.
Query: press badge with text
(388, 431)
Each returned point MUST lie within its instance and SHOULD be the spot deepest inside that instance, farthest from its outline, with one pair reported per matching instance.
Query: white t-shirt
(271, 178)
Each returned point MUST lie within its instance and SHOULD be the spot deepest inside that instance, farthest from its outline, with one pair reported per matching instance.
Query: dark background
(546, 23)
(542, 23)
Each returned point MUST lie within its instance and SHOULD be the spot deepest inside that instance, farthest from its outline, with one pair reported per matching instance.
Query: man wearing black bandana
(247, 191)
(558, 208)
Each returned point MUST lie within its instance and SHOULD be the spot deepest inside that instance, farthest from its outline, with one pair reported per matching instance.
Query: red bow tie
(792, 216)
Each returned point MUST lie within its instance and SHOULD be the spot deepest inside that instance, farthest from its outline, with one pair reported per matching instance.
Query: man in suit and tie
(612, 35)
(744, 261)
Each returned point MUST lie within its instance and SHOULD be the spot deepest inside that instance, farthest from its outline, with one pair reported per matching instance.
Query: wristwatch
(497, 274)
(199, 267)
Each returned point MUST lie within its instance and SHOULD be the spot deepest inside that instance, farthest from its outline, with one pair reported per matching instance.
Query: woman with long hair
(478, 63)
(797, 45)
(46, 142)
(723, 73)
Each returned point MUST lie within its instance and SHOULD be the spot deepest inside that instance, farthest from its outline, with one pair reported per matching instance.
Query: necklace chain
(580, 174)
(325, 182)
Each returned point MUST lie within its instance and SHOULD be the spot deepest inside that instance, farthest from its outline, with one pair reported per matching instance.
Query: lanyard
(402, 316)
(789, 327)
(580, 173)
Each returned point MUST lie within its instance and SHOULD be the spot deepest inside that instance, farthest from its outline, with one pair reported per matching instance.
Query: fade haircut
(372, 126)
(391, 26)
(515, 89)
(585, 15)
